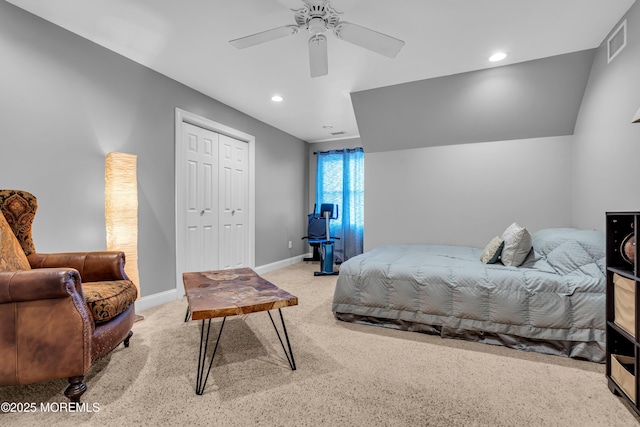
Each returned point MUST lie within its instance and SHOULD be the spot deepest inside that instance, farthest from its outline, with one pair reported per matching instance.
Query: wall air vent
(617, 41)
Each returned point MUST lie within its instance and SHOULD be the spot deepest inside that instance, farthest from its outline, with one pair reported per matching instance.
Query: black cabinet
(623, 300)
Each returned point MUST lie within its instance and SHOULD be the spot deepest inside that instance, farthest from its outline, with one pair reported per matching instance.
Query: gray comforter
(553, 303)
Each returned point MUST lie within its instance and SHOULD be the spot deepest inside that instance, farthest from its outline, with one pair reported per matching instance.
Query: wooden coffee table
(224, 293)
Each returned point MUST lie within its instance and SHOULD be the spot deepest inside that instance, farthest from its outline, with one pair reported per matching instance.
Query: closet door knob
(202, 212)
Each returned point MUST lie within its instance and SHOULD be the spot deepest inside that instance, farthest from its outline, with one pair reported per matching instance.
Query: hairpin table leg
(201, 380)
(292, 362)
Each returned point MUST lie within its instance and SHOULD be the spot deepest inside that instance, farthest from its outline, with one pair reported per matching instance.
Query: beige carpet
(347, 374)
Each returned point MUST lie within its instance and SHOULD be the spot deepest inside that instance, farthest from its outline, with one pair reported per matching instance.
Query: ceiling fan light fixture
(316, 25)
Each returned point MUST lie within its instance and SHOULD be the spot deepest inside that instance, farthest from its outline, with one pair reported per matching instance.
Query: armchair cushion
(106, 300)
(105, 285)
(12, 257)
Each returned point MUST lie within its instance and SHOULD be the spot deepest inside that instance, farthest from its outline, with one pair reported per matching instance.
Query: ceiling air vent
(617, 41)
(338, 133)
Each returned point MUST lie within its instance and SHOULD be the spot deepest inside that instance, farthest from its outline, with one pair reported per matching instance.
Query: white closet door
(233, 185)
(201, 198)
(215, 222)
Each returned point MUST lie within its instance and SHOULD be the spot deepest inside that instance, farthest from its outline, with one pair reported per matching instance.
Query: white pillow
(517, 245)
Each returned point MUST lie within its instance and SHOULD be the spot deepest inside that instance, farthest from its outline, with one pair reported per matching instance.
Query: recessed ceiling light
(277, 98)
(498, 56)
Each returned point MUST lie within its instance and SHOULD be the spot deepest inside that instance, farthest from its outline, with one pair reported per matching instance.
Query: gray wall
(466, 194)
(606, 145)
(66, 102)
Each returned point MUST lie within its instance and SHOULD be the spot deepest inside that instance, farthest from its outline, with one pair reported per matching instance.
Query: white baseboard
(156, 299)
(171, 295)
(280, 264)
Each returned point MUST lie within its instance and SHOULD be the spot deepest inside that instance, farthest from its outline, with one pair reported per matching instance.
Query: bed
(553, 303)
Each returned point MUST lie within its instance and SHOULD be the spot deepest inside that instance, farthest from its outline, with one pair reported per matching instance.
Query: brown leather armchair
(64, 313)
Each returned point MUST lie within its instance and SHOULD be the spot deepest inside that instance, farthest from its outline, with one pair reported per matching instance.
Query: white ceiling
(188, 41)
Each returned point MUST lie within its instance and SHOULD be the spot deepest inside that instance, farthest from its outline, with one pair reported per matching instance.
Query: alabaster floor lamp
(121, 209)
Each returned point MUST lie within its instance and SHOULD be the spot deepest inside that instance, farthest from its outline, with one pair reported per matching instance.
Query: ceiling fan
(317, 16)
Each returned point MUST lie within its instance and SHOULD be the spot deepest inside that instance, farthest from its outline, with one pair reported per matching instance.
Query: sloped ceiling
(532, 99)
(189, 42)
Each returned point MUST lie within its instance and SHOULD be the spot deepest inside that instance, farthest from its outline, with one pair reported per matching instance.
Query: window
(340, 180)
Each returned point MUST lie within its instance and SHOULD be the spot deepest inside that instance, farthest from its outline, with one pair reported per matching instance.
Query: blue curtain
(340, 180)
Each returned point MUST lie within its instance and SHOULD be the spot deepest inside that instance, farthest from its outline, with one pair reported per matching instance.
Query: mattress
(553, 303)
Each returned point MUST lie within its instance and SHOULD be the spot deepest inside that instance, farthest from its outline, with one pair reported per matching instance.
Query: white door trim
(194, 119)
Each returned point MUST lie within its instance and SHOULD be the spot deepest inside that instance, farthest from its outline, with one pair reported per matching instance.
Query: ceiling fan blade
(318, 60)
(264, 36)
(368, 39)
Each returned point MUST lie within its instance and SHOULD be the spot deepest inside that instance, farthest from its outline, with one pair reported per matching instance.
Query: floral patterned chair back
(19, 209)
